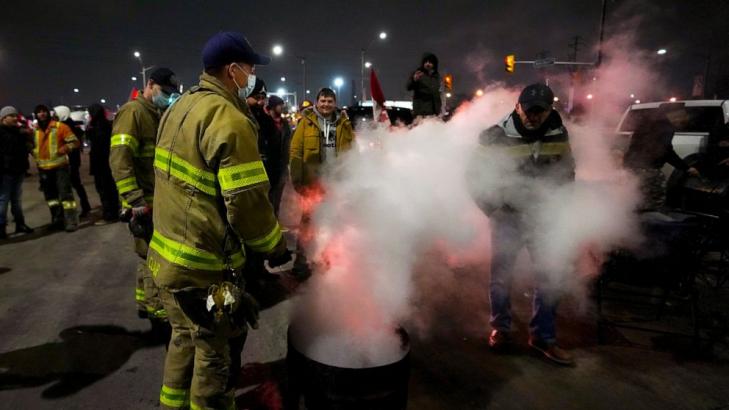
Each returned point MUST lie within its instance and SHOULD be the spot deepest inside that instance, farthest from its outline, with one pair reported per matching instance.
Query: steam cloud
(405, 192)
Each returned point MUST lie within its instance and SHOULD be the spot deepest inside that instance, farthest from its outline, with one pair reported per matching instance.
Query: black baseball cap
(230, 47)
(165, 78)
(536, 95)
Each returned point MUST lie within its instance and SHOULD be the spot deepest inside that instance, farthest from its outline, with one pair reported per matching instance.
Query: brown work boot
(552, 352)
(499, 340)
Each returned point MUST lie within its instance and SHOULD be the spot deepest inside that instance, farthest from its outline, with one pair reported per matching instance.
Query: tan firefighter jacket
(211, 190)
(132, 151)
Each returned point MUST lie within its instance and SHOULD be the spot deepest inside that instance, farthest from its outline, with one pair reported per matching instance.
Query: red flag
(376, 89)
(133, 94)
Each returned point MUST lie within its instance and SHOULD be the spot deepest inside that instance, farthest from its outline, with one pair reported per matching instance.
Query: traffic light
(510, 61)
(448, 82)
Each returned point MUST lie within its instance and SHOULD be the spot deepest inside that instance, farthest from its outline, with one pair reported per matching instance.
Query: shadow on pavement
(84, 355)
(40, 232)
(4, 270)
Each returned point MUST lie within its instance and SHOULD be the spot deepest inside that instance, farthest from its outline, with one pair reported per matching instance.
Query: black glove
(247, 311)
(281, 259)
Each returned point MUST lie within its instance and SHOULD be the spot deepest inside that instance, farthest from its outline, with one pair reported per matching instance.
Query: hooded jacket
(426, 91)
(214, 188)
(14, 149)
(307, 151)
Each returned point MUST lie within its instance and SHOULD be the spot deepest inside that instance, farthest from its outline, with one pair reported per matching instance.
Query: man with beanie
(14, 150)
(278, 151)
(63, 113)
(213, 185)
(533, 137)
(425, 83)
(53, 141)
(133, 135)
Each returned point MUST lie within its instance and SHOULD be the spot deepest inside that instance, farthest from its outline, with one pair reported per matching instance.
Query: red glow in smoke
(310, 197)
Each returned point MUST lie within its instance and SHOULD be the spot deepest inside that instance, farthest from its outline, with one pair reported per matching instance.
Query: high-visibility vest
(48, 144)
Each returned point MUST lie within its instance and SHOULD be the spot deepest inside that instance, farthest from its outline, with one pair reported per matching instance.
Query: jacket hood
(430, 57)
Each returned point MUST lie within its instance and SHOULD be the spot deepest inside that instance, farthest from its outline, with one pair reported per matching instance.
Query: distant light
(277, 50)
(594, 78)
(383, 35)
(368, 64)
(136, 54)
(661, 51)
(338, 82)
(479, 93)
(308, 91)
(637, 101)
(281, 91)
(134, 78)
(448, 95)
(672, 99)
(75, 90)
(283, 79)
(103, 101)
(632, 95)
(556, 99)
(589, 96)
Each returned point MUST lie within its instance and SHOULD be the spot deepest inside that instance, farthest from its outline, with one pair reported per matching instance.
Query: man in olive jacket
(322, 135)
(425, 83)
(211, 199)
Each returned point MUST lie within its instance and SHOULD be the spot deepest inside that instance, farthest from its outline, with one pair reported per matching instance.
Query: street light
(281, 91)
(368, 64)
(277, 50)
(75, 90)
(479, 93)
(672, 99)
(103, 101)
(589, 96)
(138, 56)
(338, 82)
(661, 51)
(134, 78)
(382, 36)
(283, 79)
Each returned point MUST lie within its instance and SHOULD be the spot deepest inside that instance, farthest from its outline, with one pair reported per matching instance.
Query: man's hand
(417, 75)
(724, 162)
(141, 211)
(693, 172)
(281, 259)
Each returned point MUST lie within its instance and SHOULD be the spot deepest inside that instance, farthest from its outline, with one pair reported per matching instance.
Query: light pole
(303, 67)
(138, 56)
(338, 82)
(382, 36)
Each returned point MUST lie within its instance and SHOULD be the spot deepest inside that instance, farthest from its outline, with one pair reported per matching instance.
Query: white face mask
(243, 93)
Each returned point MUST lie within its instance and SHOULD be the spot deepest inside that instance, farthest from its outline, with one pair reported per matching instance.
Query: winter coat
(426, 90)
(52, 145)
(651, 147)
(14, 149)
(98, 133)
(211, 190)
(132, 151)
(307, 146)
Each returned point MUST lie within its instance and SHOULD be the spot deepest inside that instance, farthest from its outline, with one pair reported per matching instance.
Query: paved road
(70, 340)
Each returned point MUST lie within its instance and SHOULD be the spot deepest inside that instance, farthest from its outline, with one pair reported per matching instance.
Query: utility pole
(602, 33)
(574, 48)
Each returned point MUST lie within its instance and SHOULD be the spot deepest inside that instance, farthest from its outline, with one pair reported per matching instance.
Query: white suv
(693, 139)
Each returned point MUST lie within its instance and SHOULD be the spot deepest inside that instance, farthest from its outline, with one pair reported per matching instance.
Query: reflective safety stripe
(54, 159)
(69, 204)
(149, 199)
(179, 168)
(268, 242)
(537, 150)
(51, 163)
(126, 140)
(241, 176)
(174, 397)
(36, 148)
(555, 148)
(127, 185)
(139, 295)
(189, 257)
(54, 202)
(157, 313)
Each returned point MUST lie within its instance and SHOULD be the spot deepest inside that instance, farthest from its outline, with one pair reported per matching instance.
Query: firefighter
(213, 185)
(53, 141)
(132, 154)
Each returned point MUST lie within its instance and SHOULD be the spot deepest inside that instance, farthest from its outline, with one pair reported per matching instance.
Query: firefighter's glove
(140, 222)
(281, 258)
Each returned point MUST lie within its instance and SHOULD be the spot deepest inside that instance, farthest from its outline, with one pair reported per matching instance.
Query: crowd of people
(218, 157)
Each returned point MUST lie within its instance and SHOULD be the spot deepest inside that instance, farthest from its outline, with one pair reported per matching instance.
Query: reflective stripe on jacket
(132, 151)
(306, 144)
(53, 144)
(211, 190)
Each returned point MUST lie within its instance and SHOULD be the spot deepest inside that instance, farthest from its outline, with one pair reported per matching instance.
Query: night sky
(47, 48)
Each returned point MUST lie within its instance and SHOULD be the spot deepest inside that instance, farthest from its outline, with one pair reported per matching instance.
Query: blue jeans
(11, 189)
(508, 237)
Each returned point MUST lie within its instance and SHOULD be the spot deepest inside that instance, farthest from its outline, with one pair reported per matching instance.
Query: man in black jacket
(651, 148)
(98, 133)
(535, 140)
(425, 84)
(278, 155)
(14, 150)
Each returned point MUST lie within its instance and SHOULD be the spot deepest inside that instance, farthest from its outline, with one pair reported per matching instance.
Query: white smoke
(407, 192)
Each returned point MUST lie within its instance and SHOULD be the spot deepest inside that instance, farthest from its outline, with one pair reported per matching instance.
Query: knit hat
(8, 110)
(229, 47)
